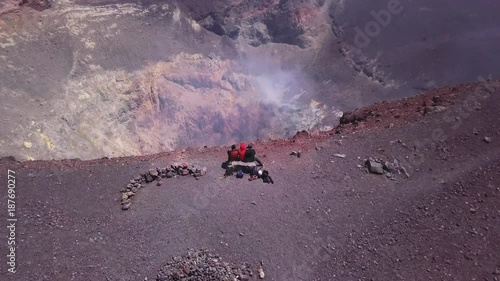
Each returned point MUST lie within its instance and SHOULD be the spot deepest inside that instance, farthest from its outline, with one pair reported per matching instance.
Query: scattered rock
(233, 32)
(403, 170)
(354, 116)
(258, 34)
(487, 139)
(212, 25)
(38, 5)
(203, 171)
(202, 265)
(159, 183)
(391, 167)
(130, 194)
(134, 189)
(124, 196)
(434, 109)
(497, 271)
(126, 206)
(339, 155)
(261, 273)
(374, 167)
(153, 173)
(295, 153)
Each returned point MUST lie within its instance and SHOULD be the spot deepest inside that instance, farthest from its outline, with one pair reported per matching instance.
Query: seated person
(233, 154)
(242, 151)
(250, 156)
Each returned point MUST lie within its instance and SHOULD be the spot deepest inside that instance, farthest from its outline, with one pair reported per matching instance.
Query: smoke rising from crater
(287, 91)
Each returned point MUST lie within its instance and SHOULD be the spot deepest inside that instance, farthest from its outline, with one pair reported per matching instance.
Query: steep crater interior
(101, 78)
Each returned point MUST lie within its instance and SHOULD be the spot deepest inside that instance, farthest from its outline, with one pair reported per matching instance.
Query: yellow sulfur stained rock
(27, 144)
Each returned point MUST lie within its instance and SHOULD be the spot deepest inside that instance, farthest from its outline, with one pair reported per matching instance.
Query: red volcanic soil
(325, 218)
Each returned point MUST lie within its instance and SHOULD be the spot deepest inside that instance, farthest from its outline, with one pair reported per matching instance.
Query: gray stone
(159, 183)
(149, 178)
(374, 167)
(134, 189)
(487, 139)
(260, 34)
(170, 174)
(434, 109)
(390, 167)
(212, 25)
(153, 173)
(126, 206)
(124, 196)
(233, 31)
(403, 170)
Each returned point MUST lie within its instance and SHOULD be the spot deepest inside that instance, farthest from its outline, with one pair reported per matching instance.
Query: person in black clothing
(250, 156)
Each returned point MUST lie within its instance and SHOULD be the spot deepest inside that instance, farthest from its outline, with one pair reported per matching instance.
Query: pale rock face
(93, 78)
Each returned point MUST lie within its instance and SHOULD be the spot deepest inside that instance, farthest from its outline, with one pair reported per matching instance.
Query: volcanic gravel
(201, 265)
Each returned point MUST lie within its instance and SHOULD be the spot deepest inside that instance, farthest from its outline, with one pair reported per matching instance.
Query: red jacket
(242, 151)
(232, 155)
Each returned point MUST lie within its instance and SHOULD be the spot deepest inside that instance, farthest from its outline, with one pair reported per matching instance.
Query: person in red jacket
(233, 154)
(242, 151)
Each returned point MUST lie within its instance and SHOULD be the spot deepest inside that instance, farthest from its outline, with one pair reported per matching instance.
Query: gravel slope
(323, 219)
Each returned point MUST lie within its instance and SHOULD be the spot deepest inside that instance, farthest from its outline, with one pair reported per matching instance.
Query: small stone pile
(380, 167)
(157, 174)
(202, 265)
